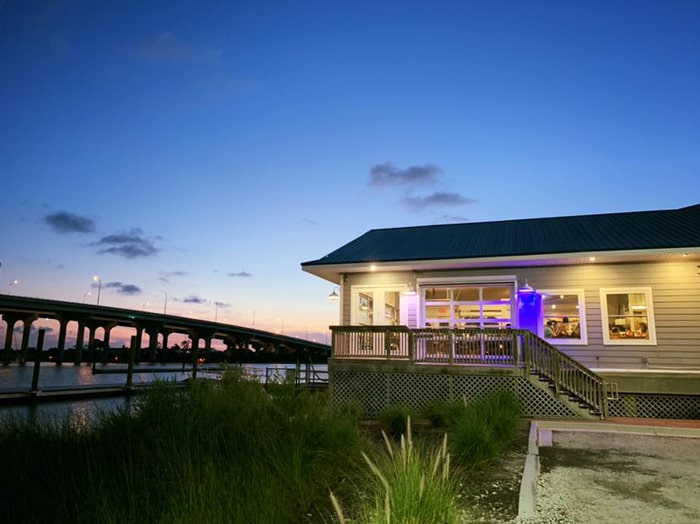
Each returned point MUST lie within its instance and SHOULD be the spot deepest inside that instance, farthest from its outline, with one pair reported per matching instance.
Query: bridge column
(10, 321)
(27, 321)
(61, 346)
(152, 328)
(194, 336)
(79, 337)
(138, 341)
(108, 331)
(165, 334)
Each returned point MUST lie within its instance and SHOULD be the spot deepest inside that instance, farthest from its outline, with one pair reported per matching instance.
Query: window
(375, 305)
(628, 316)
(468, 306)
(563, 317)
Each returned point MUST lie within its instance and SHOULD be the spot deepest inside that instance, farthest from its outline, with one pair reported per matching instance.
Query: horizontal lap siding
(675, 288)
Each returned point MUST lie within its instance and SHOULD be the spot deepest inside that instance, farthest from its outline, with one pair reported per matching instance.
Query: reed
(484, 428)
(229, 451)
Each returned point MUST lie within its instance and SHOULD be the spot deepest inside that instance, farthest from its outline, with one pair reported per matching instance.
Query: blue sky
(206, 149)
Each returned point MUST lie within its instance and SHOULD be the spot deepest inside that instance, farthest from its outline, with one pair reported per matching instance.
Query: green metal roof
(644, 230)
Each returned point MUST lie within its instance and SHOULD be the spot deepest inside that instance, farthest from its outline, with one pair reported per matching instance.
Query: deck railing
(517, 348)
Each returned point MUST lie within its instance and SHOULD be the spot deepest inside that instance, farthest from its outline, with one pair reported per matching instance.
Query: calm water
(17, 378)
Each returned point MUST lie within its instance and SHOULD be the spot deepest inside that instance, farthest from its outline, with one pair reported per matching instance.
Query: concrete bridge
(15, 309)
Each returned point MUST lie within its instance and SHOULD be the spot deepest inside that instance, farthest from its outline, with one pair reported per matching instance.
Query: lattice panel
(378, 391)
(418, 390)
(537, 403)
(656, 406)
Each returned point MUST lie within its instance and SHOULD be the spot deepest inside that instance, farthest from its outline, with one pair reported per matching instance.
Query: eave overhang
(334, 272)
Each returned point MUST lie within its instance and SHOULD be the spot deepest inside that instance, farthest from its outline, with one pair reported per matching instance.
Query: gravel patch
(596, 477)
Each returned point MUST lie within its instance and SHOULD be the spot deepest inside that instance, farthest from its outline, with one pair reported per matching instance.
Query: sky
(194, 154)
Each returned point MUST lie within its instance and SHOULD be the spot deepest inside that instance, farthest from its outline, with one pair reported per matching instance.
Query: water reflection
(84, 413)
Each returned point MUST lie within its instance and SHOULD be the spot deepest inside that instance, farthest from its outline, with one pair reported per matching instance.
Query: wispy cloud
(193, 299)
(166, 275)
(165, 47)
(222, 305)
(240, 274)
(387, 174)
(439, 199)
(123, 289)
(128, 245)
(65, 222)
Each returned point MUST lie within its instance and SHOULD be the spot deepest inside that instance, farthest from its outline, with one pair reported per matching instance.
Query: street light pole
(97, 279)
(165, 303)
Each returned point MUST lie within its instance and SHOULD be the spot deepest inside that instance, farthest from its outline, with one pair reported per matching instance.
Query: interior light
(592, 259)
(372, 267)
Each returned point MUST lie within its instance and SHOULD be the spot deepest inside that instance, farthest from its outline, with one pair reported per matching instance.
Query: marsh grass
(484, 429)
(229, 451)
(409, 482)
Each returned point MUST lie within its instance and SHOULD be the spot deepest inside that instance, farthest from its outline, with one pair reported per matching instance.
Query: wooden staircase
(565, 379)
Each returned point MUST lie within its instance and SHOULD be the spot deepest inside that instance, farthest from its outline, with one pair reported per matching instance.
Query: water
(83, 412)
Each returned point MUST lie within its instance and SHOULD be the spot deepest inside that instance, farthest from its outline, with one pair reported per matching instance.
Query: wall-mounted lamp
(334, 295)
(526, 294)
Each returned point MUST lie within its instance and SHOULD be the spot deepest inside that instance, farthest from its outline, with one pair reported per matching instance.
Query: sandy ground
(594, 477)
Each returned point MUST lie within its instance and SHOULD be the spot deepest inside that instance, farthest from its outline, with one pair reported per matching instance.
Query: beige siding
(675, 290)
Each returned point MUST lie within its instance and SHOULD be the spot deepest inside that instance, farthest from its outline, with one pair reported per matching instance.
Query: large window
(563, 317)
(468, 306)
(628, 316)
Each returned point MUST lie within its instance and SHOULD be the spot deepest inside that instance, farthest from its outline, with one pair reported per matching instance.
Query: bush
(485, 428)
(394, 419)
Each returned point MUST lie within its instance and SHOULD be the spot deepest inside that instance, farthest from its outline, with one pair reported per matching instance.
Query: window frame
(651, 324)
(583, 340)
(477, 282)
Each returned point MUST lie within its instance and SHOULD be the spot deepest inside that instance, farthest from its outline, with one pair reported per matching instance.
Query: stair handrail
(564, 372)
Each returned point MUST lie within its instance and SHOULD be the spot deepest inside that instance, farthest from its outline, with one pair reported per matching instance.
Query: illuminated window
(563, 317)
(468, 306)
(628, 316)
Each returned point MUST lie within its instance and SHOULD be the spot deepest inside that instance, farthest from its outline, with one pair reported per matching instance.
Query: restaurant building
(592, 315)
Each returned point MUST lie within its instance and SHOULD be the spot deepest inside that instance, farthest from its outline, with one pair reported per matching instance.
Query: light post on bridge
(165, 302)
(97, 279)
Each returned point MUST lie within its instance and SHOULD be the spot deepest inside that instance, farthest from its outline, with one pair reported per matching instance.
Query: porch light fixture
(526, 294)
(334, 295)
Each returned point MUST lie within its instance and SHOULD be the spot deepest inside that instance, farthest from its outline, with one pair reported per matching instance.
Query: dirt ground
(593, 477)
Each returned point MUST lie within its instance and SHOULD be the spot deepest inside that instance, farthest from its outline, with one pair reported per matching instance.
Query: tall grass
(409, 483)
(484, 428)
(218, 452)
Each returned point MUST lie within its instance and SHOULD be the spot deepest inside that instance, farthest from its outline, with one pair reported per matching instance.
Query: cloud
(166, 48)
(64, 222)
(128, 245)
(439, 199)
(240, 274)
(387, 174)
(193, 299)
(222, 305)
(124, 289)
(165, 275)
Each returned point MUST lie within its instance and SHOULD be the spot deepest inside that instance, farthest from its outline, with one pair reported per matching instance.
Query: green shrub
(485, 428)
(394, 419)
